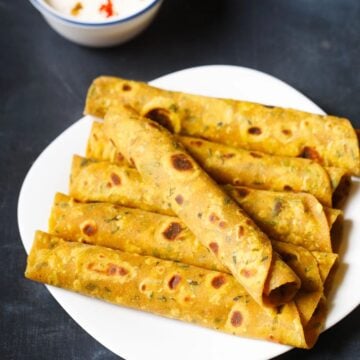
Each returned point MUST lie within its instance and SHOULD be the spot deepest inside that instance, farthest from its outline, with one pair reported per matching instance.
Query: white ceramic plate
(136, 335)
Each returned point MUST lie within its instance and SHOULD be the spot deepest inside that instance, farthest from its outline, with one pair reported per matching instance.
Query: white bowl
(102, 33)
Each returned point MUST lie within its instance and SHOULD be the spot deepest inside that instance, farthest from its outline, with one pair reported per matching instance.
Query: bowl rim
(42, 6)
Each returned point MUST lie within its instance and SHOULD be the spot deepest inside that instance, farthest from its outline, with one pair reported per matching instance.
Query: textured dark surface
(312, 45)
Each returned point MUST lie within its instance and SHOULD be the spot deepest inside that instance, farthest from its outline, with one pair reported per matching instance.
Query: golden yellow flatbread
(329, 140)
(166, 237)
(228, 165)
(307, 303)
(129, 230)
(102, 181)
(297, 218)
(100, 148)
(211, 215)
(162, 236)
(171, 289)
(332, 215)
(326, 262)
(303, 263)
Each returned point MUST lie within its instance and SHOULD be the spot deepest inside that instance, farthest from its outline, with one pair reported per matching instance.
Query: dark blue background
(312, 45)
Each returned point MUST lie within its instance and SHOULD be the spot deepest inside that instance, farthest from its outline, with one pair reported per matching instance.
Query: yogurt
(98, 10)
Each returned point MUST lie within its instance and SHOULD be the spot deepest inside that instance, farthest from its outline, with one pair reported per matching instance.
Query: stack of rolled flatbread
(211, 211)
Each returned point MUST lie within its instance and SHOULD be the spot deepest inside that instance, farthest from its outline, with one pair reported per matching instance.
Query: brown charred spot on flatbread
(309, 152)
(179, 199)
(174, 281)
(161, 116)
(115, 179)
(227, 156)
(214, 247)
(287, 188)
(269, 106)
(255, 155)
(119, 157)
(218, 281)
(236, 319)
(254, 130)
(286, 132)
(116, 270)
(126, 87)
(172, 231)
(89, 228)
(197, 143)
(111, 269)
(143, 287)
(248, 272)
(277, 207)
(222, 224)
(273, 339)
(95, 136)
(109, 184)
(249, 222)
(112, 142)
(85, 241)
(213, 218)
(132, 162)
(241, 231)
(242, 192)
(181, 162)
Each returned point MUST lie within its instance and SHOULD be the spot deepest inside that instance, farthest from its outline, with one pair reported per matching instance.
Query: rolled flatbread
(296, 218)
(211, 215)
(228, 165)
(174, 290)
(329, 140)
(165, 237)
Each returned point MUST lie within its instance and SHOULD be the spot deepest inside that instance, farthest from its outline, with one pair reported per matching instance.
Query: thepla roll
(296, 218)
(165, 237)
(129, 230)
(228, 165)
(329, 140)
(211, 215)
(171, 289)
